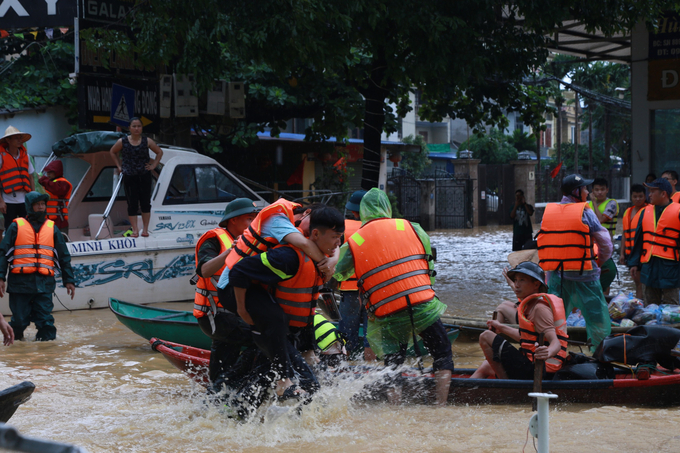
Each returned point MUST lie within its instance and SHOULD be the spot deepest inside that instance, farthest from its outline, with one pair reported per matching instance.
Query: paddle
(538, 374)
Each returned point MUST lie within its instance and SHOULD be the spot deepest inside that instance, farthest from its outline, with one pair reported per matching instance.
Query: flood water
(102, 387)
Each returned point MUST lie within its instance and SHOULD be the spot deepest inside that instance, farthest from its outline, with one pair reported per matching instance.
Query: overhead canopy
(86, 142)
(573, 39)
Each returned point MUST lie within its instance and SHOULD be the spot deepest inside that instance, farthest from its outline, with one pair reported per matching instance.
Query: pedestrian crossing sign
(122, 105)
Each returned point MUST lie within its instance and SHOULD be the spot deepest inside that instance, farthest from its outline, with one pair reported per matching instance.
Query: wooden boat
(11, 398)
(470, 328)
(148, 322)
(661, 389)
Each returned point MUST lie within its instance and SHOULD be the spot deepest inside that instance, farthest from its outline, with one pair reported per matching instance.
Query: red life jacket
(629, 227)
(33, 252)
(298, 294)
(529, 337)
(57, 208)
(205, 299)
(251, 241)
(564, 241)
(392, 266)
(351, 227)
(14, 172)
(661, 238)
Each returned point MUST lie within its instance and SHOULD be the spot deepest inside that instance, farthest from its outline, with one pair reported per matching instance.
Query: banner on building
(663, 80)
(15, 14)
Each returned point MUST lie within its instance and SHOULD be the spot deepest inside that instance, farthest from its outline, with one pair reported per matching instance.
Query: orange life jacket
(57, 208)
(676, 197)
(251, 242)
(14, 172)
(297, 295)
(392, 266)
(564, 240)
(661, 238)
(205, 299)
(629, 227)
(33, 252)
(527, 331)
(351, 227)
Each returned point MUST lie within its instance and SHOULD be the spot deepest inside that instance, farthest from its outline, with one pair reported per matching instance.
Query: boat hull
(659, 390)
(11, 398)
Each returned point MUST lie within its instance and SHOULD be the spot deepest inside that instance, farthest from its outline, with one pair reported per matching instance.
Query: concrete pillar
(427, 204)
(525, 179)
(468, 169)
(308, 175)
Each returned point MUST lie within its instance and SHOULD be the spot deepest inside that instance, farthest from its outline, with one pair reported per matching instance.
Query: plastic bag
(647, 314)
(670, 314)
(575, 319)
(625, 322)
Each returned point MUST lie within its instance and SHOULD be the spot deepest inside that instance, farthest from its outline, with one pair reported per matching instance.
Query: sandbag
(642, 344)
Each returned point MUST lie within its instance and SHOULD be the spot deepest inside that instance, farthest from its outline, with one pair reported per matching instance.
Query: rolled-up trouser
(33, 308)
(353, 315)
(607, 274)
(587, 297)
(437, 344)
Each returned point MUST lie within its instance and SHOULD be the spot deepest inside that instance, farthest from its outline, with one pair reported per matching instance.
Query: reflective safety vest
(392, 266)
(611, 225)
(629, 227)
(33, 252)
(661, 238)
(564, 241)
(297, 295)
(325, 333)
(527, 331)
(676, 197)
(14, 172)
(251, 241)
(205, 299)
(351, 227)
(57, 208)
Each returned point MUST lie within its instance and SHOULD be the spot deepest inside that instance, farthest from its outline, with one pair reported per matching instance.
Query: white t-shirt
(19, 196)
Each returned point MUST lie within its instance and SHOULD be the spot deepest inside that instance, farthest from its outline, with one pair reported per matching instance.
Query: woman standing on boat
(136, 169)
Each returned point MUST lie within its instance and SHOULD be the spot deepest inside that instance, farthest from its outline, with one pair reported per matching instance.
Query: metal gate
(407, 191)
(496, 193)
(453, 201)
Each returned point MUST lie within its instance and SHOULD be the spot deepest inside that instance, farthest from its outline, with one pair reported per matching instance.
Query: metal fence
(548, 188)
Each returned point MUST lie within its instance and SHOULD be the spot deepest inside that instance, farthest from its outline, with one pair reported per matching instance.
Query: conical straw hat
(11, 131)
(521, 256)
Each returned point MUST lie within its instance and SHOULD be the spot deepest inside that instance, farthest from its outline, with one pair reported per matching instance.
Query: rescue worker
(656, 249)
(353, 313)
(59, 189)
(33, 248)
(276, 224)
(631, 219)
(16, 174)
(672, 177)
(569, 231)
(607, 212)
(223, 328)
(296, 283)
(538, 313)
(393, 262)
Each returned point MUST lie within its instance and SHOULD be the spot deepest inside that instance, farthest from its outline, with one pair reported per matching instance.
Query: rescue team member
(59, 190)
(276, 224)
(631, 219)
(538, 313)
(607, 212)
(656, 249)
(672, 177)
(353, 313)
(330, 341)
(565, 246)
(33, 247)
(296, 283)
(392, 259)
(16, 174)
(211, 251)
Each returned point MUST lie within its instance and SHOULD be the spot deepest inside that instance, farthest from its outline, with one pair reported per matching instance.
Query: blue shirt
(278, 227)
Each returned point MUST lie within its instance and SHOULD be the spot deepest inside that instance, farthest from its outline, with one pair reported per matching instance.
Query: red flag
(556, 171)
(296, 177)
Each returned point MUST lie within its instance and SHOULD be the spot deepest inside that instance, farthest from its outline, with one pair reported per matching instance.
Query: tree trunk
(559, 132)
(374, 119)
(577, 131)
(538, 150)
(590, 140)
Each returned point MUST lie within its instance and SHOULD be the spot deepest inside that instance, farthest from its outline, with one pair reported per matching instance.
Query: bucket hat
(238, 207)
(531, 269)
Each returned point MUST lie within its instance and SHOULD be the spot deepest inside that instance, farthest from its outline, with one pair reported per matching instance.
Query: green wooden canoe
(147, 321)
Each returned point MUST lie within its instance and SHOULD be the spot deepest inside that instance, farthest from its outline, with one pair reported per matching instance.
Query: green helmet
(532, 270)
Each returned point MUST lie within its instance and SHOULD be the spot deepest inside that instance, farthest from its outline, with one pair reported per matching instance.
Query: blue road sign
(122, 105)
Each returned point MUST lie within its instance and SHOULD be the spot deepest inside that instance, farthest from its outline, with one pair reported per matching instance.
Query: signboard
(96, 99)
(665, 43)
(122, 105)
(663, 80)
(108, 11)
(36, 13)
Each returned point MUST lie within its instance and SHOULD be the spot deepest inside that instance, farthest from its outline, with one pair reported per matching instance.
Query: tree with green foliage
(492, 148)
(521, 141)
(416, 163)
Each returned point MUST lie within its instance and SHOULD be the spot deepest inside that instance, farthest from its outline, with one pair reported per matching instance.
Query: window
(191, 184)
(103, 186)
(664, 134)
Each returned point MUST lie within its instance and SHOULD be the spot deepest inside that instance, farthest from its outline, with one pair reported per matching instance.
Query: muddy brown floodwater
(101, 387)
